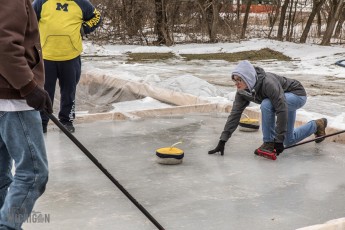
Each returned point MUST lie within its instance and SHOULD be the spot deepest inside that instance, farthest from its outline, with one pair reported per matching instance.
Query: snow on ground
(312, 64)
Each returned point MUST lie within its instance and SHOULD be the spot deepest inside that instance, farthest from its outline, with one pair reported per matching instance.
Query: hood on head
(246, 71)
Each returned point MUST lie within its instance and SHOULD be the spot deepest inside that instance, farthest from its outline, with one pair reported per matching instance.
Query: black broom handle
(95, 161)
(318, 138)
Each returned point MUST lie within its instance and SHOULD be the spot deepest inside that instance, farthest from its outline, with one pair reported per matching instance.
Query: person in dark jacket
(279, 97)
(21, 95)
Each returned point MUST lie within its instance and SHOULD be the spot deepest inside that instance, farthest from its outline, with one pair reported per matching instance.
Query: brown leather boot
(321, 125)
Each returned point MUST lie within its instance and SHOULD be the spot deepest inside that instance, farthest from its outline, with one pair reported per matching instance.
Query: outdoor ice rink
(304, 186)
(126, 111)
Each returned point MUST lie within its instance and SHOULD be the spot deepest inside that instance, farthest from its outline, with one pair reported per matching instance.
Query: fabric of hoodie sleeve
(91, 16)
(13, 64)
(275, 93)
(234, 118)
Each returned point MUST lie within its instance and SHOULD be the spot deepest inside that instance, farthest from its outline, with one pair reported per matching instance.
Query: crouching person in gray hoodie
(279, 97)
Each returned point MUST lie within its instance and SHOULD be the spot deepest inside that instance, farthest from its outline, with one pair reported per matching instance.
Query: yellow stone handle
(180, 142)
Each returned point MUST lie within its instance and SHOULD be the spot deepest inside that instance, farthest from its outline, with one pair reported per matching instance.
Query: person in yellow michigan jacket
(62, 24)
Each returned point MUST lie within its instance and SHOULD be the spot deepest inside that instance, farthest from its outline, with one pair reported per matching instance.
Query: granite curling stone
(169, 155)
(249, 125)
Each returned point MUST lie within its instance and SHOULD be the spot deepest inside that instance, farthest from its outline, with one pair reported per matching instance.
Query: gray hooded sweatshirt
(262, 85)
(246, 71)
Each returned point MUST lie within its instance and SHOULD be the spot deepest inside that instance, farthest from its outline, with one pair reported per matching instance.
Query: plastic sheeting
(99, 89)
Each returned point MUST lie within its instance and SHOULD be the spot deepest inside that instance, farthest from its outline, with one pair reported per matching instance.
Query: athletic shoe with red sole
(268, 155)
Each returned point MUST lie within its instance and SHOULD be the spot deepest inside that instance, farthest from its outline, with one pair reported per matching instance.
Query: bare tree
(164, 22)
(319, 24)
(333, 17)
(213, 18)
(317, 4)
(163, 35)
(238, 10)
(210, 14)
(132, 17)
(340, 24)
(282, 20)
(291, 20)
(275, 17)
(173, 15)
(245, 19)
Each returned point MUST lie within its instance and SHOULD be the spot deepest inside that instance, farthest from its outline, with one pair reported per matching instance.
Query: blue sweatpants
(68, 74)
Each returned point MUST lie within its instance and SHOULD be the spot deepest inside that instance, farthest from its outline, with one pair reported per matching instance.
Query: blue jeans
(293, 135)
(21, 141)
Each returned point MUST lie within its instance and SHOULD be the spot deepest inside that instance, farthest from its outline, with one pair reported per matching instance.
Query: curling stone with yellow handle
(169, 155)
(249, 125)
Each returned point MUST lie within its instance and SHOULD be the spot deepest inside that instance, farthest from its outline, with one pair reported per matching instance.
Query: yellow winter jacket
(60, 25)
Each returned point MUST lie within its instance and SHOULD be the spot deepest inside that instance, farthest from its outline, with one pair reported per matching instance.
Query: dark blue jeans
(68, 74)
(21, 140)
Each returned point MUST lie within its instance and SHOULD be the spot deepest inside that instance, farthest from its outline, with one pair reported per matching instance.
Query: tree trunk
(289, 22)
(277, 11)
(238, 10)
(293, 20)
(319, 24)
(163, 37)
(210, 14)
(334, 16)
(245, 20)
(340, 24)
(212, 19)
(215, 19)
(175, 16)
(316, 9)
(282, 20)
